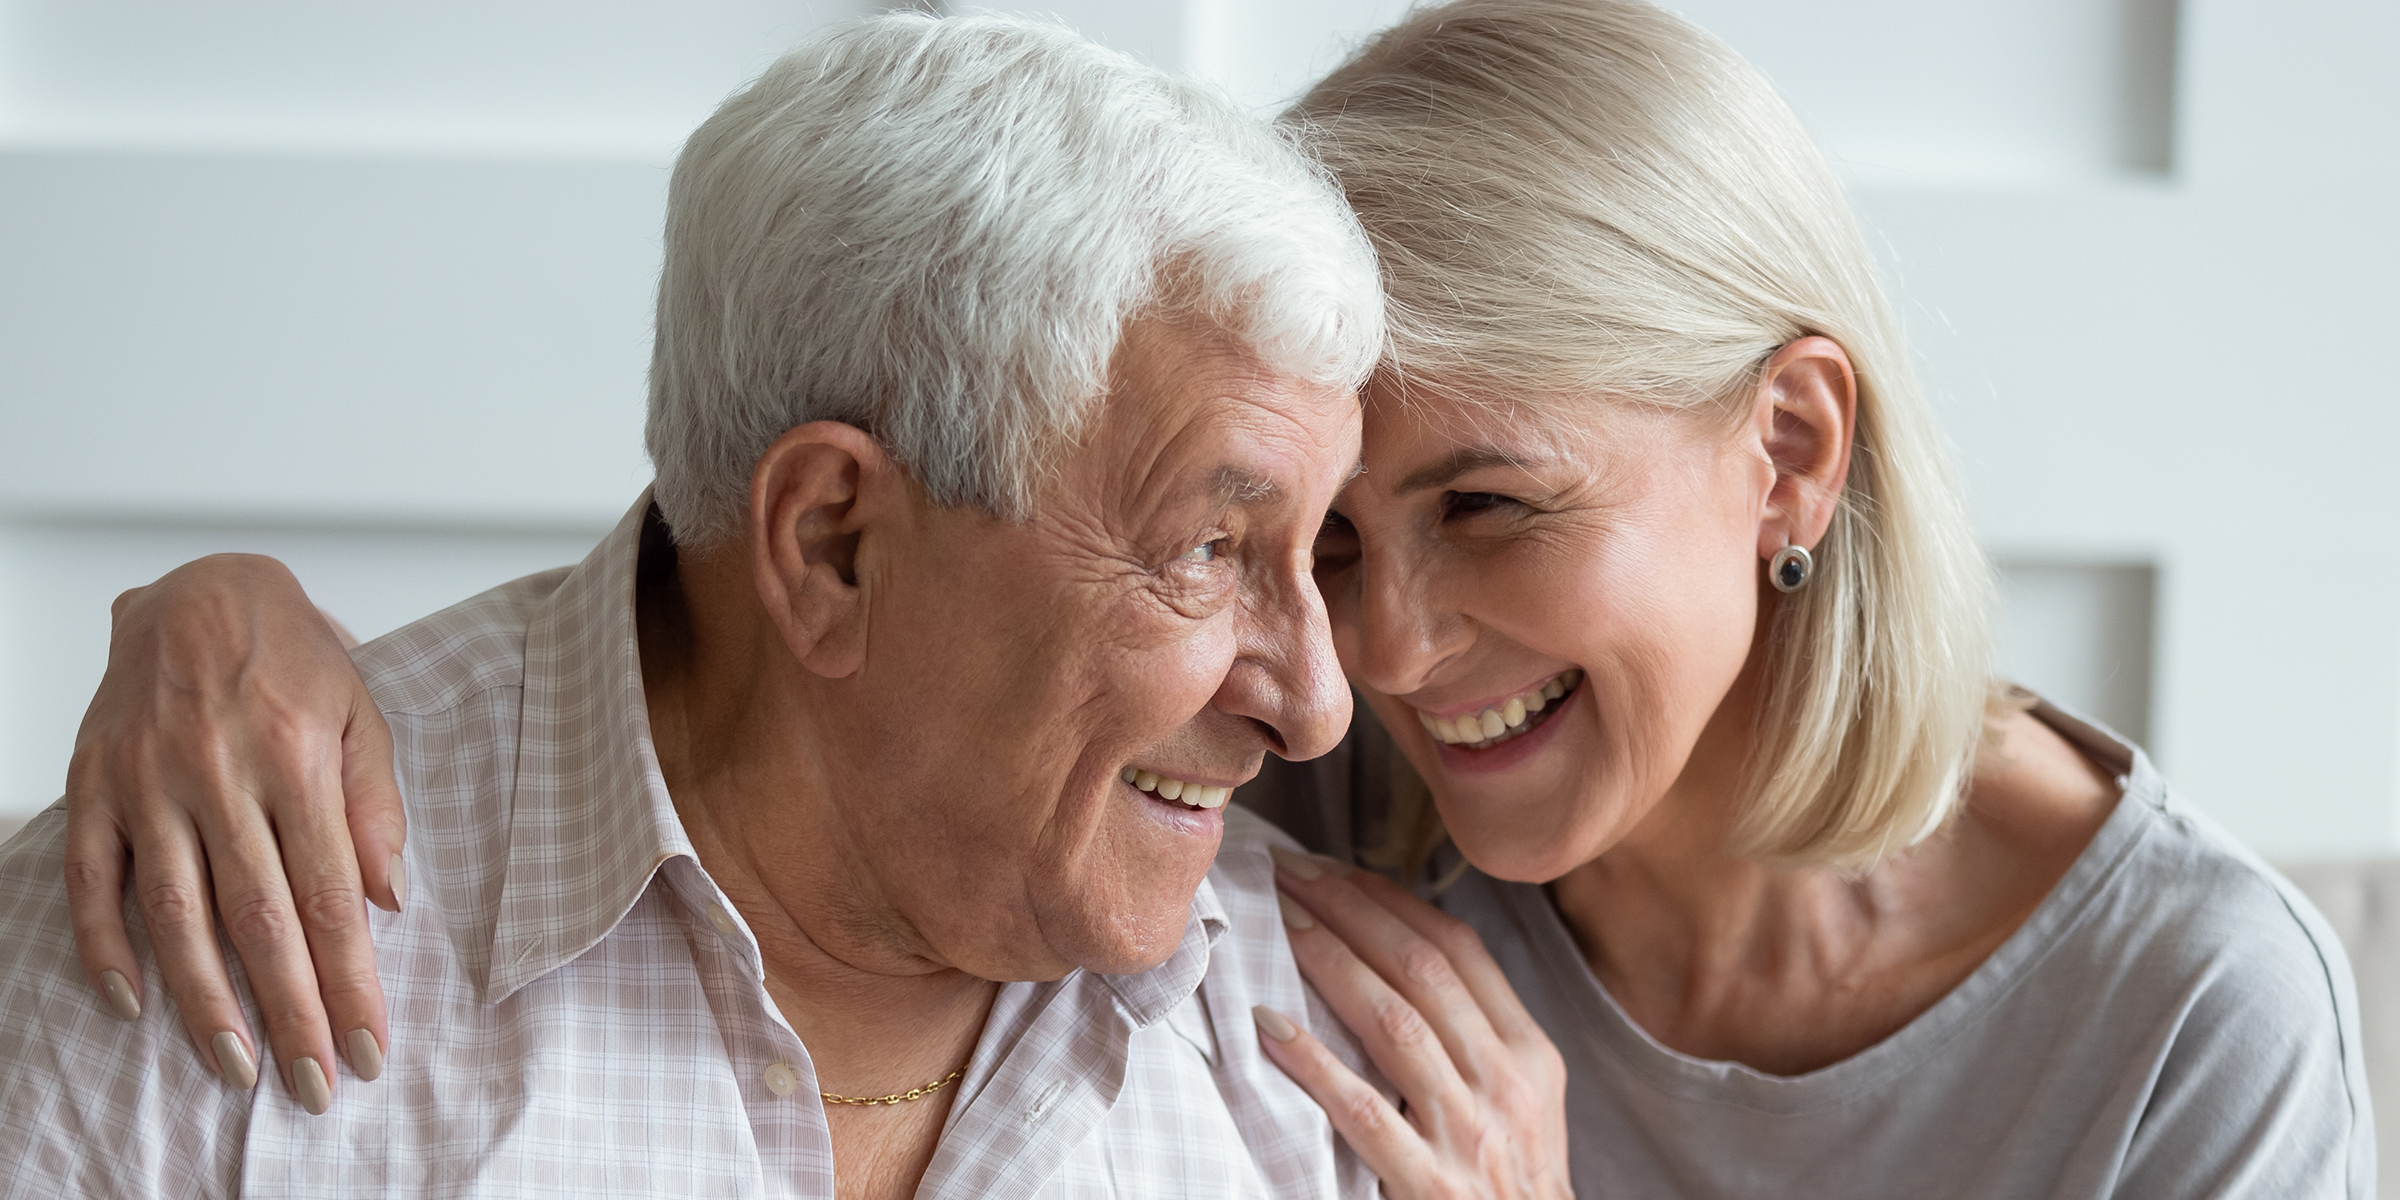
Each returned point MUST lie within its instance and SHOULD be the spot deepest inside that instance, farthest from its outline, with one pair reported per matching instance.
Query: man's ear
(1804, 414)
(814, 496)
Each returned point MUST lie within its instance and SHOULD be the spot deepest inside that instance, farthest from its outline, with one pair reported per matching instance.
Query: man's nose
(1287, 677)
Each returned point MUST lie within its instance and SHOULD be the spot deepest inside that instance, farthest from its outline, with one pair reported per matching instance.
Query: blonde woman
(1661, 596)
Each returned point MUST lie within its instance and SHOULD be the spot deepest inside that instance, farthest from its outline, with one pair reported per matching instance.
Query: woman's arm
(1484, 1092)
(234, 752)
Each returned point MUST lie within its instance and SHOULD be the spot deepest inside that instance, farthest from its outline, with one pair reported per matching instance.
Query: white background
(367, 286)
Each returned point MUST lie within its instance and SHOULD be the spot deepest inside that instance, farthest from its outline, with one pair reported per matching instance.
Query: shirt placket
(778, 1079)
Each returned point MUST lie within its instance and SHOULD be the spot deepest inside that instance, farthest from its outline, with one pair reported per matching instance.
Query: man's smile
(1192, 795)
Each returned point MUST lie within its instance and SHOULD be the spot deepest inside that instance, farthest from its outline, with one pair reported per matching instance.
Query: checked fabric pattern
(577, 1011)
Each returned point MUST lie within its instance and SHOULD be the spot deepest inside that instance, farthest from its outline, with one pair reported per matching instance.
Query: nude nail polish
(308, 1083)
(1293, 915)
(234, 1061)
(1274, 1024)
(366, 1058)
(1297, 865)
(120, 995)
(399, 884)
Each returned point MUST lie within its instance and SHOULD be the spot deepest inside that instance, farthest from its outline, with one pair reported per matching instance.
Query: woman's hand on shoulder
(233, 751)
(1483, 1090)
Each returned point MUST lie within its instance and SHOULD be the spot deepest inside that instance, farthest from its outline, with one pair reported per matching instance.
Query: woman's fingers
(1429, 1004)
(320, 863)
(226, 688)
(171, 888)
(378, 821)
(1467, 955)
(1403, 960)
(1396, 1035)
(264, 922)
(95, 870)
(1376, 1132)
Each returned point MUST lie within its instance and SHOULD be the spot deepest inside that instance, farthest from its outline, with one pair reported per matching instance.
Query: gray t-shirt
(2174, 1020)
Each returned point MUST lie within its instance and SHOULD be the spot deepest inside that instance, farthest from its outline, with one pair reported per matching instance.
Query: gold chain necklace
(915, 1093)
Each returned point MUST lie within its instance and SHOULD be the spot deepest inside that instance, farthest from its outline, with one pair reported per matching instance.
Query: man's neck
(877, 1012)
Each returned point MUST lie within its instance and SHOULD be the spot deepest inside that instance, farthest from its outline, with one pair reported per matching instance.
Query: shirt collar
(591, 821)
(1148, 995)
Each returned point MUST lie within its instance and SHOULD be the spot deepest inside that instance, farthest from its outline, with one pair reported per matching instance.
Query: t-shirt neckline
(1733, 1083)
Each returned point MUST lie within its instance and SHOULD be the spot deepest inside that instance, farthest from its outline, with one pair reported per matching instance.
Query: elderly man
(849, 814)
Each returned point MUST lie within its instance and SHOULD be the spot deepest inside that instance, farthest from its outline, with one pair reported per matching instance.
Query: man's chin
(1133, 959)
(1130, 934)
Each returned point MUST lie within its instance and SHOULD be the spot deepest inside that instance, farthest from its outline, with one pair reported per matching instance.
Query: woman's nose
(1403, 631)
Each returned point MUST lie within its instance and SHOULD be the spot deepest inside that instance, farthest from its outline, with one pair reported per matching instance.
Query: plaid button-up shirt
(578, 1011)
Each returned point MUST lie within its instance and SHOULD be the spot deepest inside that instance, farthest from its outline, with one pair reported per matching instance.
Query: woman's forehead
(1425, 424)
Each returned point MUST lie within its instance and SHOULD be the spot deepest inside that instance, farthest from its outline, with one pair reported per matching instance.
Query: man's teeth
(1193, 795)
(1492, 724)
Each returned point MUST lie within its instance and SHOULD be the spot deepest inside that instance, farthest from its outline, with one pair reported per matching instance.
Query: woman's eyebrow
(1458, 462)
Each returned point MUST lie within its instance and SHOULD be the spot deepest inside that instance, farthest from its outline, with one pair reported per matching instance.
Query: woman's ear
(1805, 414)
(818, 492)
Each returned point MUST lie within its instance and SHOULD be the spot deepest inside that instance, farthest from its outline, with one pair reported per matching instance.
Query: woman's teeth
(1477, 730)
(1193, 795)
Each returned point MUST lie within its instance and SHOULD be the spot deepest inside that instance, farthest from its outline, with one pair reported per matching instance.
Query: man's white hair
(937, 230)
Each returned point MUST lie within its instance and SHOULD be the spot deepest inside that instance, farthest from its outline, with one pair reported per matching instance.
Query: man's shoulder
(1243, 878)
(1250, 838)
(91, 1104)
(438, 662)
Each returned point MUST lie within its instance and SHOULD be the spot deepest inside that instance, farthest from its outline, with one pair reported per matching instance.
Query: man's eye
(1468, 503)
(1205, 552)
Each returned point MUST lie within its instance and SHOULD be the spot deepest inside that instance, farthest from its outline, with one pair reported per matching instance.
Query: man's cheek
(1199, 665)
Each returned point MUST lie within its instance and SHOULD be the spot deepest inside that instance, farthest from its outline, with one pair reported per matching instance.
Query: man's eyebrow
(1239, 485)
(1454, 464)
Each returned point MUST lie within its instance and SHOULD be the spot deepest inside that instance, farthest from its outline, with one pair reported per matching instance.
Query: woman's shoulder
(2162, 886)
(2202, 902)
(2216, 960)
(2183, 892)
(2146, 876)
(2169, 922)
(2170, 941)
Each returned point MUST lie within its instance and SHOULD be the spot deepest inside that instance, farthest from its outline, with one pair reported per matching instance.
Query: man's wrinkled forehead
(1197, 404)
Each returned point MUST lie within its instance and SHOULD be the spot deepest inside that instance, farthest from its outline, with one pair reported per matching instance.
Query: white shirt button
(781, 1078)
(723, 920)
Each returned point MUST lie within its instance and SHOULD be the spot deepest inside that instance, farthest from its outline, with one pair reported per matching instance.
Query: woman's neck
(1789, 969)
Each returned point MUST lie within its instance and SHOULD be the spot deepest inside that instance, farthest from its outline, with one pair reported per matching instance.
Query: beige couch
(2362, 900)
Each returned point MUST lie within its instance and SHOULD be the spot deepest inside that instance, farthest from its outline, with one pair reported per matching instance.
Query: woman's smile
(1483, 738)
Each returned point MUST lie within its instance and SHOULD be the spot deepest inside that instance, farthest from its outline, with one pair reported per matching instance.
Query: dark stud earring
(1789, 569)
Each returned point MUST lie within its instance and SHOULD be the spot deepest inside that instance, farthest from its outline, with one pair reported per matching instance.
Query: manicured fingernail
(234, 1061)
(120, 995)
(308, 1082)
(1274, 1024)
(366, 1058)
(1296, 864)
(399, 884)
(1294, 915)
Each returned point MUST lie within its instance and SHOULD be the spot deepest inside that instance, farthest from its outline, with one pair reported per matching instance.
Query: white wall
(367, 286)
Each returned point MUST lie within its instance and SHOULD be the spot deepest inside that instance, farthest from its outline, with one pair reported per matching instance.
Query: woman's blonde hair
(1594, 198)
